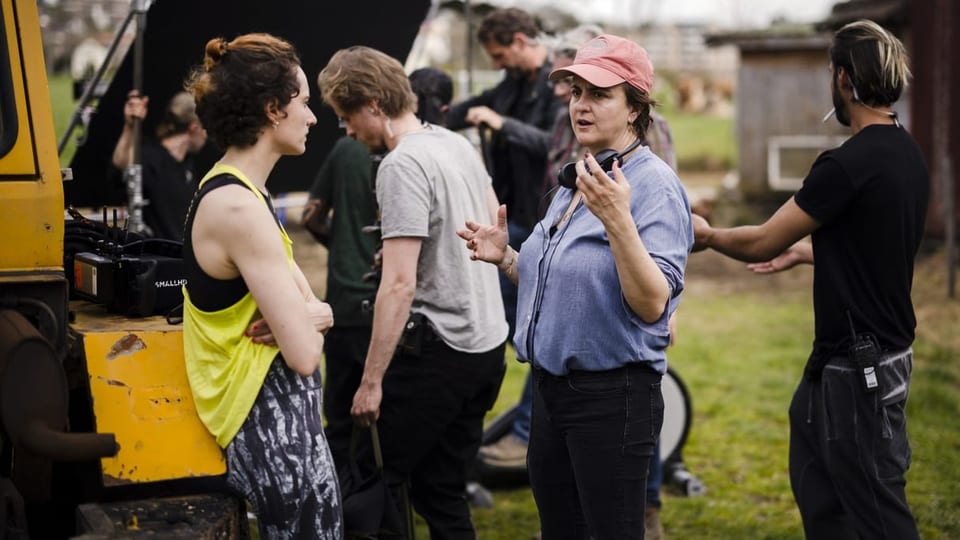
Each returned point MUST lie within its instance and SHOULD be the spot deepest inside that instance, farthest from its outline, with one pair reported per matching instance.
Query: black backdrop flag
(175, 35)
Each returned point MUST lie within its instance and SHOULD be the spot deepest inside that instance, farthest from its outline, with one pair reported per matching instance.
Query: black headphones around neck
(567, 175)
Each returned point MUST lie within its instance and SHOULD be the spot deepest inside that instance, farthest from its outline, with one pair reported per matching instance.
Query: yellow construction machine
(98, 431)
(89, 401)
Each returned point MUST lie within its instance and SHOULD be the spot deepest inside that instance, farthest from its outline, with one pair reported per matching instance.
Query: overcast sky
(727, 13)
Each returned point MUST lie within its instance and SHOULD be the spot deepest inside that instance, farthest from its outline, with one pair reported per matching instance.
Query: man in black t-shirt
(167, 178)
(864, 204)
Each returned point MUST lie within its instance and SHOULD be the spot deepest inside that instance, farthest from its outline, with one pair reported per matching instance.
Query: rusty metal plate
(139, 389)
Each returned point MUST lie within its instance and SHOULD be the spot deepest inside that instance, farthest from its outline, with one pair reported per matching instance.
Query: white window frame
(777, 143)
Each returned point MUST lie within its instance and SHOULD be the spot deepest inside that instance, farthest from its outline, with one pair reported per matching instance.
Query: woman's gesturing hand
(487, 242)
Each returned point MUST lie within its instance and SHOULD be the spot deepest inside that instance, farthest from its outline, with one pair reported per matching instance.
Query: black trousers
(345, 349)
(591, 439)
(849, 452)
(431, 423)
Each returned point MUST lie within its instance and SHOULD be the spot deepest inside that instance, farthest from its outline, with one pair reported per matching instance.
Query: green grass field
(742, 344)
(702, 142)
(61, 98)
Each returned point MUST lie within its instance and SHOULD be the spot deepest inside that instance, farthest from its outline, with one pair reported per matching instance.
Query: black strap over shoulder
(208, 293)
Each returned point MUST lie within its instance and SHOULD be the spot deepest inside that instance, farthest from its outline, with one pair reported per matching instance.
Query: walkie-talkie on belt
(865, 353)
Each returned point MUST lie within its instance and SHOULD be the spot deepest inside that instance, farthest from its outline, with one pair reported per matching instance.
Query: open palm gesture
(487, 242)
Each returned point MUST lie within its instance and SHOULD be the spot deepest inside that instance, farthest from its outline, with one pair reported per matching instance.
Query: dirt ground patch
(937, 314)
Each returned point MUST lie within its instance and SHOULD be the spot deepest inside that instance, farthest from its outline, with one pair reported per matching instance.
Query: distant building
(783, 92)
(782, 95)
(682, 48)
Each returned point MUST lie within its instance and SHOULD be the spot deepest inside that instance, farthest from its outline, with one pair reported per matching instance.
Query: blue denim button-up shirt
(571, 312)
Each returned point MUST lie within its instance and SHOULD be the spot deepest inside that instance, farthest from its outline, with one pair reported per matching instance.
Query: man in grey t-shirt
(429, 395)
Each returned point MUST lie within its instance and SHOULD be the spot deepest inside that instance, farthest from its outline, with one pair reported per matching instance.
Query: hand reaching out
(487, 242)
(701, 232)
(799, 253)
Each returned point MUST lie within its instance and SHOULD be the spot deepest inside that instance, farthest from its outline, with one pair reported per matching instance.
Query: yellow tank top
(226, 368)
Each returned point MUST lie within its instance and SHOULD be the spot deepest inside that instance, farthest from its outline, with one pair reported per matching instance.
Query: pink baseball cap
(609, 60)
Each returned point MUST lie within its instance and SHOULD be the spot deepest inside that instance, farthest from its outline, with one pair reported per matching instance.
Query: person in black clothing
(519, 114)
(865, 204)
(342, 200)
(168, 182)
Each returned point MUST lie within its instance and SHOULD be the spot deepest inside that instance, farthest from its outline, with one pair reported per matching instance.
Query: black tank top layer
(208, 293)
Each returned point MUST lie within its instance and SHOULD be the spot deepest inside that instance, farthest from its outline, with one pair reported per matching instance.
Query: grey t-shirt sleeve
(404, 194)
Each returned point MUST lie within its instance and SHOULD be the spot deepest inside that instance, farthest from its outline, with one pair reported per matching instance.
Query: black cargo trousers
(849, 452)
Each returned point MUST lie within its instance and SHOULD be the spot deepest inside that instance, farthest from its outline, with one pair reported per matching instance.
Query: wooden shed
(783, 92)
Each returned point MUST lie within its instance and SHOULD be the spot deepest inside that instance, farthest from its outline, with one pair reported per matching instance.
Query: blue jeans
(521, 422)
(655, 478)
(592, 437)
(849, 452)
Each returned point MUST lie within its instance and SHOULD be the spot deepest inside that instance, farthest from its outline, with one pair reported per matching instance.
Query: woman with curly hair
(253, 330)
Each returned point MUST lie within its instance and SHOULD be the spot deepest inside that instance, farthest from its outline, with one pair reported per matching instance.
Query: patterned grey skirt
(281, 463)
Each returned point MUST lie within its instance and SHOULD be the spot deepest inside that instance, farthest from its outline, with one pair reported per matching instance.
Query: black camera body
(137, 279)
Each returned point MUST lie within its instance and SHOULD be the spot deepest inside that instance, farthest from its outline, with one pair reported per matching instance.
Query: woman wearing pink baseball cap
(598, 280)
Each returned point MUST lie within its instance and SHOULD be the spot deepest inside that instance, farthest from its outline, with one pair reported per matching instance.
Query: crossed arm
(235, 235)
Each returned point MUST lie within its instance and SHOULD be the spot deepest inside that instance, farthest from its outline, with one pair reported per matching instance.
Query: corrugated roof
(792, 37)
(883, 12)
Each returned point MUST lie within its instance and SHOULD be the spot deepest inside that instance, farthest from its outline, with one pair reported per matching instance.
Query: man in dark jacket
(515, 119)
